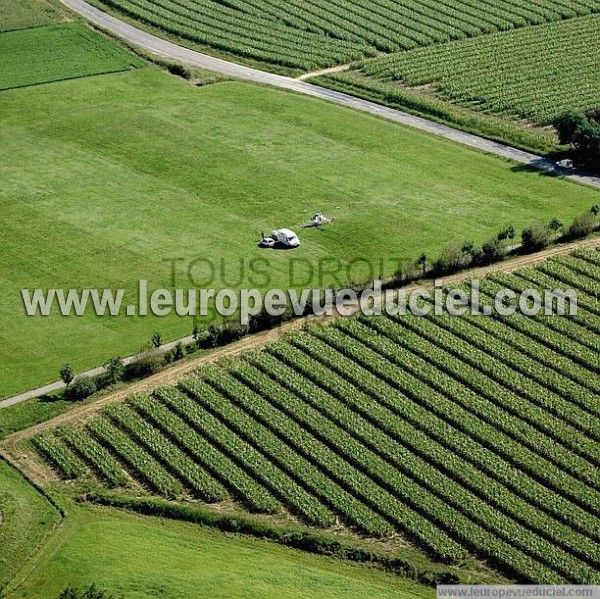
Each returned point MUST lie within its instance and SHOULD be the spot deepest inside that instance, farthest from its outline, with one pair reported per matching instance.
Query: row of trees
(150, 359)
(533, 239)
(453, 258)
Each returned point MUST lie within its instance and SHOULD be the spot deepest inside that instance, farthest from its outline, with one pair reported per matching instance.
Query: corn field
(467, 436)
(534, 73)
(306, 34)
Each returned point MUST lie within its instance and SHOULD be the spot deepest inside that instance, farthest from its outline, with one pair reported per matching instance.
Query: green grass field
(58, 52)
(123, 172)
(145, 558)
(29, 413)
(20, 14)
(534, 73)
(26, 519)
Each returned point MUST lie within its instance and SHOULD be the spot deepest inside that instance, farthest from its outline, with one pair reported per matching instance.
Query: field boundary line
(169, 50)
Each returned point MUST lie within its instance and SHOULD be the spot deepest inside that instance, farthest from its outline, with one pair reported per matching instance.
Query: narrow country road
(165, 49)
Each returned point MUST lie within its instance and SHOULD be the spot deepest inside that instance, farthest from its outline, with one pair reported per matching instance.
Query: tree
(536, 238)
(83, 387)
(582, 132)
(567, 125)
(66, 374)
(156, 339)
(422, 262)
(114, 370)
(555, 225)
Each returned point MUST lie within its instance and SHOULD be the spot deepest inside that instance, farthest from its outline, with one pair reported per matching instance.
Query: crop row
(148, 470)
(548, 354)
(98, 458)
(568, 401)
(586, 305)
(503, 386)
(389, 414)
(154, 410)
(591, 256)
(193, 476)
(427, 378)
(383, 457)
(390, 503)
(580, 266)
(581, 282)
(286, 458)
(310, 33)
(470, 533)
(541, 331)
(374, 355)
(55, 452)
(574, 326)
(268, 41)
(254, 461)
(498, 73)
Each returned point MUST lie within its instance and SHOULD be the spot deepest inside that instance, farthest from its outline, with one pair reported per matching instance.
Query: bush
(453, 258)
(178, 352)
(582, 226)
(508, 233)
(114, 370)
(83, 387)
(149, 360)
(92, 592)
(156, 339)
(536, 238)
(179, 70)
(494, 250)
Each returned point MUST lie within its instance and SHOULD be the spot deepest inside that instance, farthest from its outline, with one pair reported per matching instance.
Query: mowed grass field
(45, 54)
(21, 14)
(121, 174)
(466, 436)
(149, 557)
(27, 518)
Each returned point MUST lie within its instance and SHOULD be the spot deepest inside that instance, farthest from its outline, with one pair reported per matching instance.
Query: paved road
(58, 385)
(172, 51)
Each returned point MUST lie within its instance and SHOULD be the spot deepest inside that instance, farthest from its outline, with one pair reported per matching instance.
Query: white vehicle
(286, 238)
(267, 242)
(566, 163)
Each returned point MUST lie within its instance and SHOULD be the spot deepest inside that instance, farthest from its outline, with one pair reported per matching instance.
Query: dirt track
(173, 374)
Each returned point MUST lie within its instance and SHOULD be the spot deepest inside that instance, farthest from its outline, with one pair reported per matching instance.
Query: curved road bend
(166, 49)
